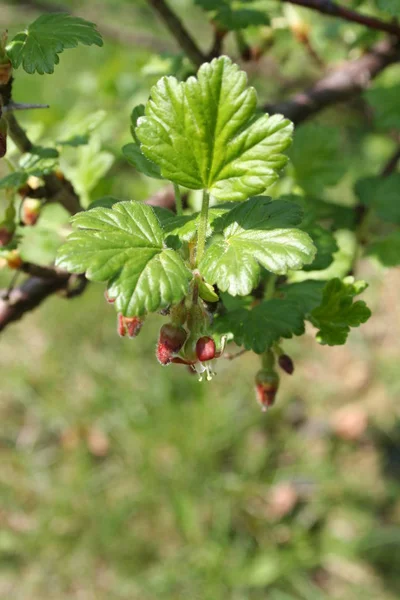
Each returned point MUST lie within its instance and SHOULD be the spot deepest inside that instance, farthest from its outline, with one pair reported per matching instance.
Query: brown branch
(327, 7)
(182, 36)
(15, 303)
(343, 83)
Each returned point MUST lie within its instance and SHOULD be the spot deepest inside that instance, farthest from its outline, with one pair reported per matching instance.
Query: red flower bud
(6, 235)
(14, 260)
(286, 363)
(171, 340)
(30, 211)
(205, 349)
(267, 383)
(129, 325)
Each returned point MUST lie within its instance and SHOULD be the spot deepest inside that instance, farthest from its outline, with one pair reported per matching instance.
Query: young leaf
(259, 232)
(135, 157)
(186, 226)
(259, 328)
(337, 311)
(386, 249)
(13, 180)
(306, 294)
(385, 104)
(37, 48)
(382, 194)
(233, 15)
(325, 244)
(133, 152)
(124, 246)
(316, 157)
(392, 7)
(204, 133)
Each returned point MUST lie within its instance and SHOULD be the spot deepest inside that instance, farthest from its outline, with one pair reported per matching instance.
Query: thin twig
(392, 163)
(180, 33)
(345, 82)
(23, 106)
(335, 10)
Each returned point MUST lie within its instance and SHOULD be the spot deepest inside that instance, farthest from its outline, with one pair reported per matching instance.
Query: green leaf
(381, 194)
(13, 180)
(386, 249)
(256, 233)
(306, 294)
(337, 311)
(204, 133)
(186, 226)
(233, 14)
(391, 7)
(325, 244)
(317, 157)
(259, 328)
(124, 246)
(133, 152)
(135, 157)
(385, 104)
(36, 164)
(78, 134)
(37, 48)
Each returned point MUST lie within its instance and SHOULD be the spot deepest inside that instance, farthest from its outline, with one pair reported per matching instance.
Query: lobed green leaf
(205, 134)
(37, 48)
(123, 245)
(256, 233)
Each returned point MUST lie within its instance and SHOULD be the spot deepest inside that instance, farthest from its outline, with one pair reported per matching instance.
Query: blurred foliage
(122, 480)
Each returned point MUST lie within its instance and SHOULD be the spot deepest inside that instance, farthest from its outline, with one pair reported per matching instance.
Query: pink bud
(5, 236)
(267, 383)
(130, 326)
(30, 211)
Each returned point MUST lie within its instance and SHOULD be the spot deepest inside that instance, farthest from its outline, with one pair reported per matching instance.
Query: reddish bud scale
(286, 363)
(30, 211)
(130, 326)
(5, 236)
(171, 340)
(205, 349)
(267, 383)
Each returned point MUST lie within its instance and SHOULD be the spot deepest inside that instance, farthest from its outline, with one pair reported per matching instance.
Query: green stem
(178, 200)
(202, 234)
(270, 287)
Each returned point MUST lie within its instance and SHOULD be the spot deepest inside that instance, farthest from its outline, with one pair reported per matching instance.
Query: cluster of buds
(185, 339)
(267, 379)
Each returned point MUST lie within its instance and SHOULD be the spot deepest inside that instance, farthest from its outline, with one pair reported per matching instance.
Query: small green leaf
(381, 194)
(317, 158)
(124, 246)
(37, 48)
(186, 226)
(391, 7)
(386, 249)
(207, 293)
(385, 104)
(133, 152)
(233, 14)
(259, 328)
(204, 133)
(325, 244)
(306, 294)
(78, 134)
(13, 180)
(258, 232)
(135, 157)
(337, 311)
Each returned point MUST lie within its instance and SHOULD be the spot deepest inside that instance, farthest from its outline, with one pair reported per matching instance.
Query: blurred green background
(120, 479)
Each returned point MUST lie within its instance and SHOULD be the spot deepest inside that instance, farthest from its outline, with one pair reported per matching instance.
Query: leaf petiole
(202, 234)
(178, 200)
